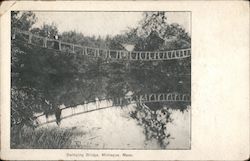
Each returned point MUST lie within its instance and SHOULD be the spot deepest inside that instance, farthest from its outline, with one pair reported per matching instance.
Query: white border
(220, 80)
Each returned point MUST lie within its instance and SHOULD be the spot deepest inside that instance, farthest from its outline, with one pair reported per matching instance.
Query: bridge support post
(150, 58)
(97, 53)
(165, 55)
(140, 58)
(181, 53)
(120, 55)
(85, 106)
(45, 42)
(146, 55)
(137, 55)
(60, 45)
(156, 55)
(82, 51)
(108, 54)
(30, 37)
(188, 52)
(185, 53)
(85, 51)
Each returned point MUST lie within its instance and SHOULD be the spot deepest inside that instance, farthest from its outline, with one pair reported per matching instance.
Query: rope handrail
(108, 53)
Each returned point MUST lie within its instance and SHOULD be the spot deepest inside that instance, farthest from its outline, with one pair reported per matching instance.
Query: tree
(23, 20)
(47, 30)
(173, 35)
(153, 21)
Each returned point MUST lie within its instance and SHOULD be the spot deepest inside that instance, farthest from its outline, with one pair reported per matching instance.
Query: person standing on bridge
(58, 112)
(56, 42)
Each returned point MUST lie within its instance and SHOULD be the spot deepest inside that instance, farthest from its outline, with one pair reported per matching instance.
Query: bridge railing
(107, 103)
(45, 42)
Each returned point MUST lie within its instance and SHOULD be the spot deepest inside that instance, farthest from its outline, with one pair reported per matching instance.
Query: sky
(103, 23)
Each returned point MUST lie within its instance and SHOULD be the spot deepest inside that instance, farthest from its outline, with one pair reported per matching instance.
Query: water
(114, 128)
(74, 80)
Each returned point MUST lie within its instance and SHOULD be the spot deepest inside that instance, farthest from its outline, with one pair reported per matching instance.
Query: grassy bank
(48, 138)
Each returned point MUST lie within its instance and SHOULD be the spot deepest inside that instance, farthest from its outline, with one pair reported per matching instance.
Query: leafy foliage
(41, 75)
(23, 20)
(154, 123)
(46, 30)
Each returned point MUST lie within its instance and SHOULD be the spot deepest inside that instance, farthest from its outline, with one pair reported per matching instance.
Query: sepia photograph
(124, 80)
(101, 80)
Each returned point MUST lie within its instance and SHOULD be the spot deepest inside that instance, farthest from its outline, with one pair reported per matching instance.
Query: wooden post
(85, 105)
(97, 53)
(146, 97)
(168, 97)
(137, 55)
(157, 55)
(165, 97)
(121, 54)
(140, 56)
(73, 48)
(173, 54)
(117, 54)
(185, 53)
(169, 54)
(85, 51)
(164, 55)
(129, 55)
(94, 52)
(60, 45)
(181, 53)
(45, 42)
(159, 95)
(108, 54)
(105, 52)
(149, 56)
(178, 55)
(189, 52)
(154, 55)
(30, 37)
(82, 51)
(175, 96)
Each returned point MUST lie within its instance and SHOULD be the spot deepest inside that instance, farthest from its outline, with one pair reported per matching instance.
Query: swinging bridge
(47, 43)
(95, 105)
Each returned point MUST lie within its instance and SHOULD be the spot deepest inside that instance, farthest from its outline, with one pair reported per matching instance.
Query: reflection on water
(155, 120)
